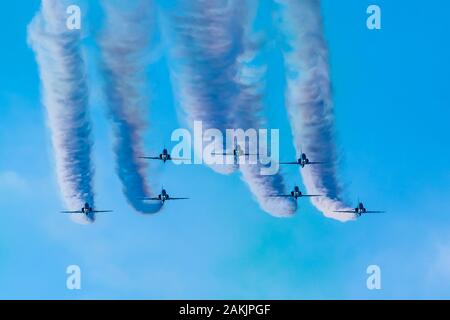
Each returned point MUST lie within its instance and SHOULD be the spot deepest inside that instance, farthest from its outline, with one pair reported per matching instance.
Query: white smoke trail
(124, 44)
(207, 69)
(65, 96)
(204, 64)
(309, 102)
(246, 114)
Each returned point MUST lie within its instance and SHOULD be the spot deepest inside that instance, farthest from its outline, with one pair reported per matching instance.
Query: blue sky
(391, 100)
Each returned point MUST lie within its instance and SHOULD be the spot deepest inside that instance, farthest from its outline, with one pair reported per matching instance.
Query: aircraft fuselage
(360, 209)
(164, 156)
(237, 152)
(163, 196)
(296, 193)
(303, 160)
(86, 209)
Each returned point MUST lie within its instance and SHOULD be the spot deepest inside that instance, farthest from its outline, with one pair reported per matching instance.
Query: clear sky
(392, 98)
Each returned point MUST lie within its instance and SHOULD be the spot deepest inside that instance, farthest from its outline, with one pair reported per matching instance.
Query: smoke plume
(124, 45)
(65, 97)
(309, 102)
(210, 60)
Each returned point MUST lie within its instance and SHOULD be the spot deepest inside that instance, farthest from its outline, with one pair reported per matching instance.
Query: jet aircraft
(164, 156)
(359, 210)
(302, 161)
(296, 193)
(87, 210)
(163, 197)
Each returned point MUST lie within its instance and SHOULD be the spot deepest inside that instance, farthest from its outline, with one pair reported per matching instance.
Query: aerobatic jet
(164, 156)
(296, 193)
(359, 210)
(236, 153)
(87, 210)
(163, 197)
(302, 161)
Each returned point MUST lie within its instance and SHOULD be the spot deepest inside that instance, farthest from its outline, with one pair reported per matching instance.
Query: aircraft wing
(177, 198)
(179, 159)
(289, 162)
(150, 158)
(221, 154)
(155, 198)
(78, 211)
(311, 195)
(345, 211)
(315, 162)
(101, 211)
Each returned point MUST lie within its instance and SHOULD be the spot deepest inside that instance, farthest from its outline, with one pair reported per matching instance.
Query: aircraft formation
(237, 152)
